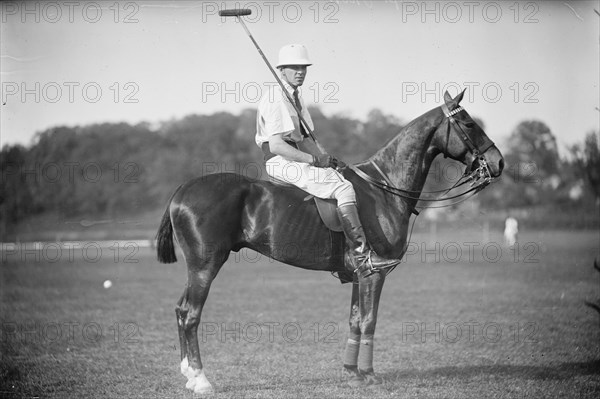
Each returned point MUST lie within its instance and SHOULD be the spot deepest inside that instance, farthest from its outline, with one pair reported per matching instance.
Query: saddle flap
(328, 211)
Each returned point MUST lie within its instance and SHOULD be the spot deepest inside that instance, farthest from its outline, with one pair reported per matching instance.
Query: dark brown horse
(213, 215)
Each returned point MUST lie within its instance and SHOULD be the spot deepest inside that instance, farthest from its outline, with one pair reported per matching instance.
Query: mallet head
(235, 12)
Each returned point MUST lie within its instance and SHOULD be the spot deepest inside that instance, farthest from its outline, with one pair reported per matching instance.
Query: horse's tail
(165, 247)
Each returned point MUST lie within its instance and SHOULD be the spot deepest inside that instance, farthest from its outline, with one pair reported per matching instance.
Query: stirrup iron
(369, 262)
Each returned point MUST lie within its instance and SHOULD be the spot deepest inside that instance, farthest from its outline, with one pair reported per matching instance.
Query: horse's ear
(458, 98)
(447, 98)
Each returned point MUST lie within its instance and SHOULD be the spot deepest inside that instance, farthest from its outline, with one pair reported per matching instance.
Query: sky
(77, 63)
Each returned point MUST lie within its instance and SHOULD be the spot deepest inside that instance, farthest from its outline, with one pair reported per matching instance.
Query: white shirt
(511, 224)
(276, 115)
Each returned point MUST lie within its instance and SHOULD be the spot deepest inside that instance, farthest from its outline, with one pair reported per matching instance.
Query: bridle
(479, 177)
(459, 130)
(475, 149)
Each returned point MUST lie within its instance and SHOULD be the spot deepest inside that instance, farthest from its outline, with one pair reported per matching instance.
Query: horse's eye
(470, 125)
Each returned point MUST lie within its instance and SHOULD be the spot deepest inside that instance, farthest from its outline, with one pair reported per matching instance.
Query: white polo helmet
(293, 54)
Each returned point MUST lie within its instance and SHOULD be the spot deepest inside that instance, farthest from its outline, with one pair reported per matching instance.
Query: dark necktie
(299, 108)
(297, 100)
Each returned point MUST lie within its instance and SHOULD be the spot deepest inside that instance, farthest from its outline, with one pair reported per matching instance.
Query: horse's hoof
(353, 377)
(356, 381)
(372, 380)
(199, 383)
(199, 387)
(357, 378)
(190, 384)
(204, 390)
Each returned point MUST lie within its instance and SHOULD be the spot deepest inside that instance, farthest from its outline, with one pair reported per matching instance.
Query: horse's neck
(405, 159)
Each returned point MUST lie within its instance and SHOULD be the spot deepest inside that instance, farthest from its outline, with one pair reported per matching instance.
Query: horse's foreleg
(352, 345)
(369, 293)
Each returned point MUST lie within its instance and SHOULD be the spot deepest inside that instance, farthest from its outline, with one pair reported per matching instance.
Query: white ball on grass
(107, 284)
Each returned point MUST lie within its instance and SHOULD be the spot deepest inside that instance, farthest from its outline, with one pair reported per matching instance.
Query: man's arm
(278, 146)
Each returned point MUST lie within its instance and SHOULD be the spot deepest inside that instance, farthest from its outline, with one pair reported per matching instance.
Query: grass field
(458, 319)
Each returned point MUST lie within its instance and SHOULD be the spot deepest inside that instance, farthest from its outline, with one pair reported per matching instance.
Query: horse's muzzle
(495, 161)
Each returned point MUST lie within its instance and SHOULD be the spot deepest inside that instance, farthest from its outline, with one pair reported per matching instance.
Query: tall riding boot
(364, 259)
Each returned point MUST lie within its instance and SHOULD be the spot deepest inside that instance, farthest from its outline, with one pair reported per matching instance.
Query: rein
(481, 172)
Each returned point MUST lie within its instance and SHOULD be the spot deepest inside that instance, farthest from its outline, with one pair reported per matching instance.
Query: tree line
(112, 169)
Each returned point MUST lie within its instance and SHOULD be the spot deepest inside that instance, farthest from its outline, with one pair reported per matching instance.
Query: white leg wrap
(365, 354)
(351, 353)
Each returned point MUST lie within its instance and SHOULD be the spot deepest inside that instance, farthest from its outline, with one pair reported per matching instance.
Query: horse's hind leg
(201, 273)
(181, 314)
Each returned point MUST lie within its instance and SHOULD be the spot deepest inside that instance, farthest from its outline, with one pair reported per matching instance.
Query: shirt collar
(288, 87)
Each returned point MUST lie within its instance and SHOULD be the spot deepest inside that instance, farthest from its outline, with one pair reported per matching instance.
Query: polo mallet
(238, 13)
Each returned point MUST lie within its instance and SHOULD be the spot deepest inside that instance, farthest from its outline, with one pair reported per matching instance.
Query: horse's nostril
(501, 165)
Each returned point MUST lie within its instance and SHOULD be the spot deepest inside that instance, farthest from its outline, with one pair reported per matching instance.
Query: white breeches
(325, 183)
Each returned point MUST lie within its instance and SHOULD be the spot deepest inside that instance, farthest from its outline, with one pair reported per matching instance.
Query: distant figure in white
(511, 229)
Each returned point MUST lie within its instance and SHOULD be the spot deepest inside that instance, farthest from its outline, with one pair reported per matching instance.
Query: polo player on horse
(280, 134)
